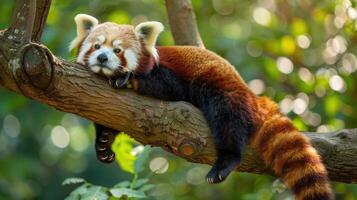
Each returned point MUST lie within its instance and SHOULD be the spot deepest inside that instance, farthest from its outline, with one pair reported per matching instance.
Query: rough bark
(178, 127)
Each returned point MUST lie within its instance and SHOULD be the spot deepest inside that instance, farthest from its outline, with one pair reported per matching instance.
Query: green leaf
(122, 147)
(140, 182)
(142, 159)
(146, 187)
(73, 180)
(95, 193)
(76, 194)
(129, 193)
(122, 184)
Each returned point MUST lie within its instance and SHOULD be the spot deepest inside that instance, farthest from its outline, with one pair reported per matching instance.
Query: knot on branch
(187, 148)
(37, 65)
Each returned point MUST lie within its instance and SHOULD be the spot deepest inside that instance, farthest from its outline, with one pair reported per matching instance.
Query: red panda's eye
(97, 46)
(117, 50)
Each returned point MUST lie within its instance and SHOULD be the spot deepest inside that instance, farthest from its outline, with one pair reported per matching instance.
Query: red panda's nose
(102, 58)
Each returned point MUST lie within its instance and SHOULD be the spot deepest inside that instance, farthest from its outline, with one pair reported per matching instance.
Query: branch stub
(37, 66)
(187, 149)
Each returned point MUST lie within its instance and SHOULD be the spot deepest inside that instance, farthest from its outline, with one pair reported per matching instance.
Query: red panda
(236, 116)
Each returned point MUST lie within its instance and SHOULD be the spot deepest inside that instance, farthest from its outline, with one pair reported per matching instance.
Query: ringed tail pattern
(292, 157)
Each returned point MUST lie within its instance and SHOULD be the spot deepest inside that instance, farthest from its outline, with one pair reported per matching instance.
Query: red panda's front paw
(118, 83)
(103, 147)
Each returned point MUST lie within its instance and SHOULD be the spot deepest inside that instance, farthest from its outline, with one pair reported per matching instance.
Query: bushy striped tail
(292, 157)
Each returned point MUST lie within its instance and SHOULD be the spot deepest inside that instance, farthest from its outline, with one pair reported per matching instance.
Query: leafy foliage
(130, 162)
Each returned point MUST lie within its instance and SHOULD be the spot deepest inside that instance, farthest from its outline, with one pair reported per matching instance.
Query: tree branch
(22, 21)
(177, 127)
(42, 9)
(182, 21)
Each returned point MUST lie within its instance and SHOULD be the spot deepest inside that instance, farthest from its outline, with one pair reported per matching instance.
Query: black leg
(103, 142)
(229, 137)
(228, 151)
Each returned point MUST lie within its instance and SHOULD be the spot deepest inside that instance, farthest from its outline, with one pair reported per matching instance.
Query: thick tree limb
(177, 127)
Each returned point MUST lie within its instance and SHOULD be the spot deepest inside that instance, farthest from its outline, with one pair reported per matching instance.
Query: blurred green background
(301, 53)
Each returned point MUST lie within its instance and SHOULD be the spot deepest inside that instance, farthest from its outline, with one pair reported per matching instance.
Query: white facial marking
(82, 52)
(113, 61)
(131, 59)
(117, 43)
(107, 72)
(95, 69)
(108, 67)
(101, 39)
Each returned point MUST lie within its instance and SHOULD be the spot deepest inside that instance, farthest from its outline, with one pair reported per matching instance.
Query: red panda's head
(111, 49)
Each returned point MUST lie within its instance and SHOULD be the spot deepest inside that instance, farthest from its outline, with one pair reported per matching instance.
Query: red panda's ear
(149, 31)
(85, 23)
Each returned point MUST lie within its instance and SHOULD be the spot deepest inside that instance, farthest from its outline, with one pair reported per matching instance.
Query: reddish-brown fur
(281, 145)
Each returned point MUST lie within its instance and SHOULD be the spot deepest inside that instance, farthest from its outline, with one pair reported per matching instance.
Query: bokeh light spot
(323, 129)
(159, 165)
(257, 86)
(349, 63)
(305, 75)
(137, 150)
(286, 105)
(262, 16)
(285, 65)
(78, 138)
(352, 13)
(60, 137)
(196, 176)
(303, 41)
(337, 83)
(299, 106)
(11, 126)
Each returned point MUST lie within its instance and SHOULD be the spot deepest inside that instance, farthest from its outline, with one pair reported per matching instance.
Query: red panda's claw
(103, 139)
(118, 83)
(100, 148)
(110, 81)
(106, 156)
